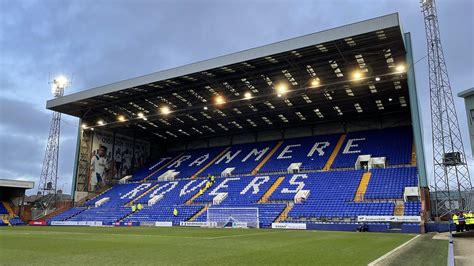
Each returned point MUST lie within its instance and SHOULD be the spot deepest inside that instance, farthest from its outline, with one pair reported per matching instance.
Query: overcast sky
(100, 42)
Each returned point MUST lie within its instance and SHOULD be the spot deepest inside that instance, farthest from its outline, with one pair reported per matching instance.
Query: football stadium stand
(188, 163)
(157, 213)
(153, 167)
(243, 158)
(288, 129)
(119, 195)
(412, 208)
(3, 210)
(67, 214)
(389, 183)
(335, 185)
(173, 192)
(393, 143)
(312, 195)
(311, 152)
(239, 190)
(339, 209)
(16, 221)
(106, 215)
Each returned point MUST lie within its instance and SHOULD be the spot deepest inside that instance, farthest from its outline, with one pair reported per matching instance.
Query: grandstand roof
(373, 48)
(16, 183)
(466, 93)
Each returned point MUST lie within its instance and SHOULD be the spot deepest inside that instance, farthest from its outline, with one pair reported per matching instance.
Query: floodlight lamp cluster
(281, 89)
(59, 83)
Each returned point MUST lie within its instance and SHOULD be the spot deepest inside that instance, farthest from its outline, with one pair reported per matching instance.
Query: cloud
(24, 133)
(20, 117)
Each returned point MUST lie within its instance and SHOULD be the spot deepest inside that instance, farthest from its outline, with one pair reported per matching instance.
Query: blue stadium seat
(121, 194)
(412, 208)
(340, 209)
(241, 190)
(313, 152)
(243, 157)
(16, 221)
(331, 195)
(393, 143)
(3, 210)
(67, 214)
(390, 183)
(102, 214)
(174, 192)
(189, 162)
(153, 167)
(340, 185)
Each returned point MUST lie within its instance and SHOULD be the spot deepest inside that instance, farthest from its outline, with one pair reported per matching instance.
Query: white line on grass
(132, 235)
(392, 251)
(239, 235)
(106, 234)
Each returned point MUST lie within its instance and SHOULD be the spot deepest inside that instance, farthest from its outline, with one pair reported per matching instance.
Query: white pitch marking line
(239, 235)
(132, 235)
(106, 234)
(392, 251)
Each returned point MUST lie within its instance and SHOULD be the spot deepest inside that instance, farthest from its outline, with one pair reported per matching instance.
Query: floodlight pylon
(451, 181)
(47, 187)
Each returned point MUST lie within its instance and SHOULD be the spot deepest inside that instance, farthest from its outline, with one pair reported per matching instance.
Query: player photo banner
(142, 153)
(101, 160)
(122, 156)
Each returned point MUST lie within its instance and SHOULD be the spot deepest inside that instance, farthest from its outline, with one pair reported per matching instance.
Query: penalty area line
(386, 255)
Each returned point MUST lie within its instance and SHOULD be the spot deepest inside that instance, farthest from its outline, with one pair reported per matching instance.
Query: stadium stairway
(272, 189)
(67, 214)
(77, 213)
(364, 183)
(190, 201)
(163, 166)
(269, 155)
(210, 162)
(399, 208)
(413, 155)
(84, 200)
(56, 212)
(284, 213)
(141, 195)
(126, 216)
(5, 220)
(334, 153)
(8, 207)
(197, 214)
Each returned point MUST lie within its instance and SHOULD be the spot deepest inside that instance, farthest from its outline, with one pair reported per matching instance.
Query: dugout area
(12, 198)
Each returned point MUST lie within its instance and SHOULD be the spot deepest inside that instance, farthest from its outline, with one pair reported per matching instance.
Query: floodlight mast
(47, 187)
(451, 181)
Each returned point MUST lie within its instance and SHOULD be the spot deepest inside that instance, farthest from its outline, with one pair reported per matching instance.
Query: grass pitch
(423, 251)
(189, 246)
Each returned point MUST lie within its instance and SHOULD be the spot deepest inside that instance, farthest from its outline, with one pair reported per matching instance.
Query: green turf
(423, 251)
(193, 246)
